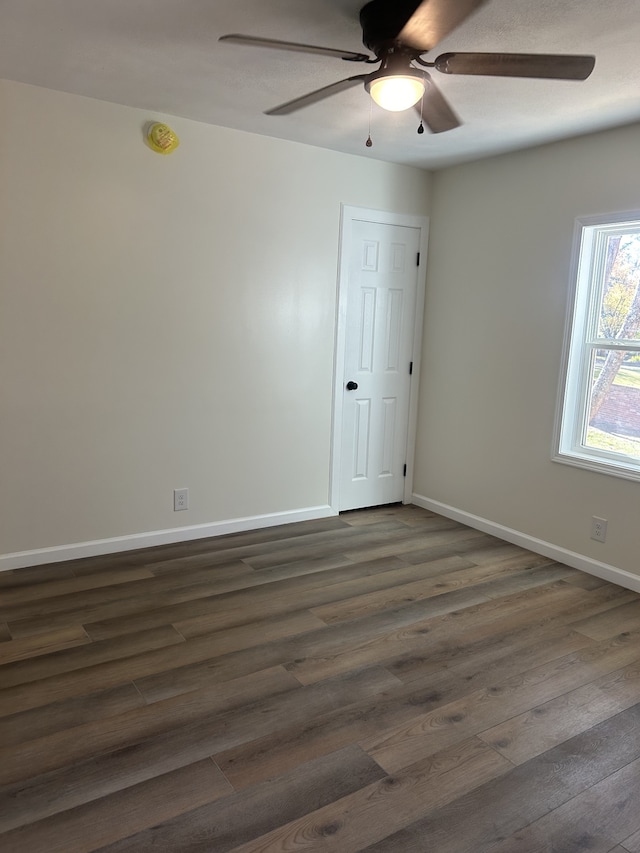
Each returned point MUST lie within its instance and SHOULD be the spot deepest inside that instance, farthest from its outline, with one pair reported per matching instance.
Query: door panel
(380, 313)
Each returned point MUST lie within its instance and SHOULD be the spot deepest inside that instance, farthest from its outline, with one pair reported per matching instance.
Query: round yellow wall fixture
(162, 139)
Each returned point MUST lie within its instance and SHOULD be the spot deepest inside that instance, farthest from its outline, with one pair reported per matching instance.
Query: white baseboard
(98, 547)
(538, 546)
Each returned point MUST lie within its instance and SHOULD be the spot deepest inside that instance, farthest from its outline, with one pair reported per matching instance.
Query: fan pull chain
(421, 126)
(369, 141)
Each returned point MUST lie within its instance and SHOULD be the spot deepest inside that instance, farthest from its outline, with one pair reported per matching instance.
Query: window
(599, 425)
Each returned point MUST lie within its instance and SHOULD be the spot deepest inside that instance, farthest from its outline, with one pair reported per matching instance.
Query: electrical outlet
(599, 529)
(180, 499)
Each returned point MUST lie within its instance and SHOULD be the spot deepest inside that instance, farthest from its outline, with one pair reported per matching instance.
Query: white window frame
(587, 280)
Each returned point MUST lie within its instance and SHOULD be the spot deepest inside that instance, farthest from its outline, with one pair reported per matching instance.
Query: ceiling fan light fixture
(396, 92)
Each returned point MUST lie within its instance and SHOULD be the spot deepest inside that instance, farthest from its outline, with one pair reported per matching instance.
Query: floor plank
(499, 809)
(65, 586)
(85, 655)
(385, 681)
(260, 809)
(348, 824)
(631, 844)
(594, 820)
(69, 713)
(526, 735)
(622, 619)
(90, 826)
(43, 644)
(320, 734)
(489, 706)
(126, 729)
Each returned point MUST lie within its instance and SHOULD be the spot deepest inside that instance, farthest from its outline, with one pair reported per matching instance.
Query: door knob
(352, 386)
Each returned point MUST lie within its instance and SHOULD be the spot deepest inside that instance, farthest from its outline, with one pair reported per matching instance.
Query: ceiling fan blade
(434, 19)
(254, 41)
(317, 95)
(552, 66)
(435, 110)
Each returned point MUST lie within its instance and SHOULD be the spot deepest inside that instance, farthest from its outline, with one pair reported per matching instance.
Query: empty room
(319, 426)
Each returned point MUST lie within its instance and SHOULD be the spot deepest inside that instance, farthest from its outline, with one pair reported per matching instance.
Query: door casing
(349, 214)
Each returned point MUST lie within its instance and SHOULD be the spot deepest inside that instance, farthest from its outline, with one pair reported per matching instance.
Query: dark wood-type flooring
(386, 681)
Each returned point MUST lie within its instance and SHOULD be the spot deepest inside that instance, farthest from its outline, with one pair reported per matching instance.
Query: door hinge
(418, 259)
(410, 368)
(404, 471)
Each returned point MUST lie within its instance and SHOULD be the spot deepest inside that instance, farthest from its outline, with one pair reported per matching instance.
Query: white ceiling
(164, 56)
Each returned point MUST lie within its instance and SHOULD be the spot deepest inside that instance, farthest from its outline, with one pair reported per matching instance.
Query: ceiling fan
(399, 33)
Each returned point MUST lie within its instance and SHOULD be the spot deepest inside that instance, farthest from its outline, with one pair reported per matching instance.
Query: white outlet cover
(180, 499)
(598, 529)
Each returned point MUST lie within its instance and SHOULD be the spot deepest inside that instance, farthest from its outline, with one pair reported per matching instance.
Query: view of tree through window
(614, 402)
(599, 424)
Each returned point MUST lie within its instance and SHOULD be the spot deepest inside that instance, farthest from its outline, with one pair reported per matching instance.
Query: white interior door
(382, 267)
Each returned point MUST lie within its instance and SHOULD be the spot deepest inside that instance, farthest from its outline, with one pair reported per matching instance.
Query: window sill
(623, 469)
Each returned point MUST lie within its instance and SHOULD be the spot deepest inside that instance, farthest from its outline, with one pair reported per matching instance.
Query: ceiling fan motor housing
(382, 21)
(395, 61)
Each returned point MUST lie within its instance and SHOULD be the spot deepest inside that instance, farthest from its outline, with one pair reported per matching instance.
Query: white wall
(165, 321)
(497, 283)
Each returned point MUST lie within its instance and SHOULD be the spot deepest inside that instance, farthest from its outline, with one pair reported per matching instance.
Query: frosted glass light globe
(396, 93)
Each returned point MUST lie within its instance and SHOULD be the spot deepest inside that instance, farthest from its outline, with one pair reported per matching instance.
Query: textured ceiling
(164, 55)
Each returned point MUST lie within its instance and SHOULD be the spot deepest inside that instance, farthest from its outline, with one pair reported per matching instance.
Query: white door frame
(349, 214)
